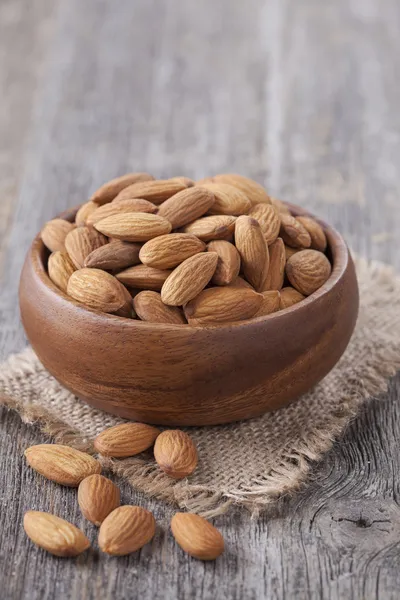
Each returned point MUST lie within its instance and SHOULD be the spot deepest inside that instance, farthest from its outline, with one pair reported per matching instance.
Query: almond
(168, 251)
(134, 227)
(54, 233)
(289, 296)
(307, 271)
(114, 256)
(253, 190)
(228, 265)
(127, 439)
(214, 227)
(277, 262)
(269, 219)
(149, 307)
(186, 206)
(60, 269)
(253, 250)
(99, 290)
(80, 242)
(118, 207)
(97, 497)
(223, 305)
(187, 182)
(189, 278)
(196, 536)
(54, 534)
(108, 191)
(126, 529)
(317, 234)
(241, 283)
(156, 191)
(84, 212)
(290, 251)
(61, 464)
(228, 199)
(175, 453)
(281, 206)
(144, 277)
(270, 303)
(293, 233)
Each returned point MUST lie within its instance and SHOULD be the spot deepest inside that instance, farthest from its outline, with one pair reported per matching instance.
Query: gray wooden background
(304, 96)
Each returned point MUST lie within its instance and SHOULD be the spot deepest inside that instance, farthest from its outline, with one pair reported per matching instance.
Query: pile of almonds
(123, 529)
(174, 251)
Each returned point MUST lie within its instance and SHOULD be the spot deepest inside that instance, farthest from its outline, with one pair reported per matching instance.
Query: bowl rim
(338, 247)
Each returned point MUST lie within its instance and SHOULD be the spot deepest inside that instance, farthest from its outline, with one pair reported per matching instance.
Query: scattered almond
(277, 262)
(154, 191)
(253, 250)
(144, 277)
(289, 296)
(149, 307)
(108, 191)
(55, 535)
(60, 269)
(126, 529)
(61, 464)
(175, 453)
(127, 439)
(228, 265)
(97, 497)
(134, 227)
(99, 290)
(168, 251)
(114, 256)
(307, 271)
(269, 220)
(223, 305)
(196, 536)
(214, 227)
(80, 242)
(294, 233)
(228, 199)
(189, 278)
(317, 234)
(54, 233)
(186, 206)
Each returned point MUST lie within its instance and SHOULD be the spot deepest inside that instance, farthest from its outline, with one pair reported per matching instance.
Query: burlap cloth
(251, 463)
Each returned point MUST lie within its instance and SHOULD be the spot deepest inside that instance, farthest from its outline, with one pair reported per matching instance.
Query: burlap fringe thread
(289, 469)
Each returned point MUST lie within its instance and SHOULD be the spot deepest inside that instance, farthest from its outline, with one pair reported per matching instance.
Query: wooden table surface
(304, 97)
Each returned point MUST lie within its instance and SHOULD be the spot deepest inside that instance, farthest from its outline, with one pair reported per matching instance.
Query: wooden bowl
(181, 375)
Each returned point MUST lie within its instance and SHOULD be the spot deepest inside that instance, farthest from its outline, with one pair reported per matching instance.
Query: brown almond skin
(293, 233)
(307, 271)
(317, 234)
(175, 453)
(290, 251)
(60, 268)
(239, 282)
(126, 530)
(127, 439)
(189, 278)
(253, 250)
(281, 206)
(149, 307)
(228, 265)
(223, 305)
(80, 242)
(54, 234)
(213, 227)
(168, 251)
(253, 190)
(269, 219)
(97, 498)
(277, 262)
(186, 206)
(84, 212)
(196, 536)
(129, 205)
(114, 256)
(271, 303)
(55, 535)
(144, 277)
(98, 290)
(289, 297)
(228, 200)
(109, 190)
(133, 227)
(61, 464)
(155, 191)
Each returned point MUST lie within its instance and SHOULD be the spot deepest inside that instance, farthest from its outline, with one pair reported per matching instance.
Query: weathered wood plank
(302, 96)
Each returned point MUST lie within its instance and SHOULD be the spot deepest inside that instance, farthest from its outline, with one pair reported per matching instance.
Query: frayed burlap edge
(294, 468)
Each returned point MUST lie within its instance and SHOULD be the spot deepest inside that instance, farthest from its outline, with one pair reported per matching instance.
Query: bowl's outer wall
(171, 375)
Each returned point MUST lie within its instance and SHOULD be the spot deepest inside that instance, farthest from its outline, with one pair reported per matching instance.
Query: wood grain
(304, 97)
